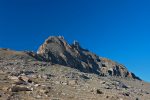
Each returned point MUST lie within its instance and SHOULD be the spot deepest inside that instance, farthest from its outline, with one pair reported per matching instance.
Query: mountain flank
(62, 71)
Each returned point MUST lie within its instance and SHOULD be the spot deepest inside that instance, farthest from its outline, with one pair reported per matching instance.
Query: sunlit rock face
(56, 50)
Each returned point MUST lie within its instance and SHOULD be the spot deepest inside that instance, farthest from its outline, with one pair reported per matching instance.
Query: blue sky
(116, 29)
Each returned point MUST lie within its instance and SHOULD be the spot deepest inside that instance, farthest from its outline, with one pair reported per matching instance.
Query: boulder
(20, 88)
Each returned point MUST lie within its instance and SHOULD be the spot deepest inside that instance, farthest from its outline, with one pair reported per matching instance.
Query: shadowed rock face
(58, 51)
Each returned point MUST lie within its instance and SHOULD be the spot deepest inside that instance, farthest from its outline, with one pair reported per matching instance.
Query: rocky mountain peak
(52, 41)
(56, 50)
(56, 39)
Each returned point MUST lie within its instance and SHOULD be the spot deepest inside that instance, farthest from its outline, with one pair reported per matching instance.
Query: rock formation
(58, 51)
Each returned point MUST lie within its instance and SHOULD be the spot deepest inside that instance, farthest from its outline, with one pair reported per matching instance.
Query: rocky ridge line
(56, 50)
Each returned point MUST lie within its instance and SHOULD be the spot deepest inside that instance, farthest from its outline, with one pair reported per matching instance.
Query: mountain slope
(60, 71)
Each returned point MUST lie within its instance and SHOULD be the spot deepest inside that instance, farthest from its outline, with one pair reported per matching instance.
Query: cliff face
(58, 51)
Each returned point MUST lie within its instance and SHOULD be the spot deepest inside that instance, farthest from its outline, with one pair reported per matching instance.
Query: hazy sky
(116, 29)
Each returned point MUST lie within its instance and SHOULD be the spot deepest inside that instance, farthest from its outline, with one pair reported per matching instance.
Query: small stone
(92, 90)
(44, 76)
(38, 97)
(57, 82)
(36, 85)
(121, 85)
(26, 79)
(72, 82)
(64, 83)
(108, 87)
(137, 99)
(5, 89)
(33, 76)
(98, 91)
(126, 94)
(2, 72)
(107, 96)
(146, 92)
(43, 91)
(14, 78)
(63, 93)
(102, 82)
(39, 76)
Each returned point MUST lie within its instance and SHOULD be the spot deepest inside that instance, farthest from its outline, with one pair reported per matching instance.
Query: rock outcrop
(58, 51)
